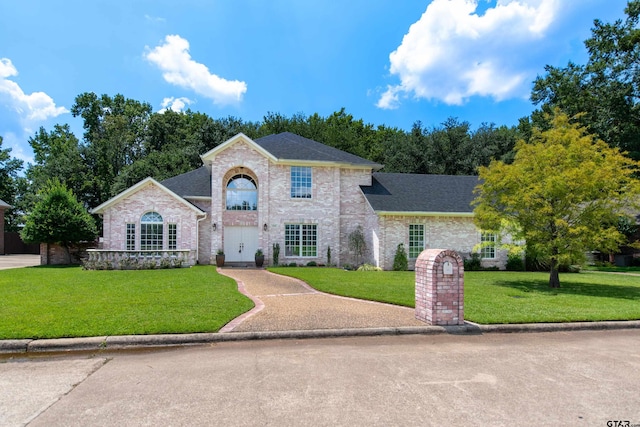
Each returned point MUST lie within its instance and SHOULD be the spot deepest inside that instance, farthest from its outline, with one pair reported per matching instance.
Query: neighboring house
(3, 207)
(301, 194)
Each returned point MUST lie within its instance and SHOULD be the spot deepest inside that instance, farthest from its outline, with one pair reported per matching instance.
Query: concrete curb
(130, 342)
(554, 327)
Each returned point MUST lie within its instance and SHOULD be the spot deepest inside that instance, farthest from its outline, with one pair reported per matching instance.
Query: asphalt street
(560, 378)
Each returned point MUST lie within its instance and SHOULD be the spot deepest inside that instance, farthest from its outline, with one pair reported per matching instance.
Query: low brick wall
(53, 254)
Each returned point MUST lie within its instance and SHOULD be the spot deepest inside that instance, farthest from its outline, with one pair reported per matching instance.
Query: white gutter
(418, 213)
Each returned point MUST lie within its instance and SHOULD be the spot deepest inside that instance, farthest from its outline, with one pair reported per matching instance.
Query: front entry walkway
(288, 304)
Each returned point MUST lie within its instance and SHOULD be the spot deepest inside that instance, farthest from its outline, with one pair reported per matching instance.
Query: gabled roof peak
(289, 147)
(139, 186)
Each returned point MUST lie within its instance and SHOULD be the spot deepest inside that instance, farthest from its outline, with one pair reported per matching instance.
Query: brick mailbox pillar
(440, 287)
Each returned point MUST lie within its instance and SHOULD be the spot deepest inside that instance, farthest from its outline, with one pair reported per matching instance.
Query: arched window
(151, 231)
(242, 194)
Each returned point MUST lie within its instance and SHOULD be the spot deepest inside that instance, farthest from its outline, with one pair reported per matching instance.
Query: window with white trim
(242, 194)
(172, 236)
(416, 240)
(151, 231)
(131, 237)
(301, 240)
(300, 182)
(488, 245)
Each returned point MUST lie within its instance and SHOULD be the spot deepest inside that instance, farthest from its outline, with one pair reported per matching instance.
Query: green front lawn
(496, 297)
(50, 302)
(613, 269)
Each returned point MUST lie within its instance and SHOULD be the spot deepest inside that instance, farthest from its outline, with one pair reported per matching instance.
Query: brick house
(301, 194)
(3, 207)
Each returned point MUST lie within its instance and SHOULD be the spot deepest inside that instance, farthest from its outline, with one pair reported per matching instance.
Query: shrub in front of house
(473, 263)
(369, 267)
(400, 260)
(515, 263)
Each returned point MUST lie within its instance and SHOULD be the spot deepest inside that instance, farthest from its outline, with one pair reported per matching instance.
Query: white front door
(240, 243)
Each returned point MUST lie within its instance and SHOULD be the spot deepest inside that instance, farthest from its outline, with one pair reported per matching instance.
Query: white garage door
(240, 243)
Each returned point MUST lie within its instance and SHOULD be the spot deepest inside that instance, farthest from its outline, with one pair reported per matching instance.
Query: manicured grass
(395, 287)
(615, 269)
(497, 297)
(50, 302)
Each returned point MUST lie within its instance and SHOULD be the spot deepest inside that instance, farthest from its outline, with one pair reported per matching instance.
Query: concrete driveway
(580, 378)
(18, 260)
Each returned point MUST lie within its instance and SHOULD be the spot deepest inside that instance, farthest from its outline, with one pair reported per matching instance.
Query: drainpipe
(198, 237)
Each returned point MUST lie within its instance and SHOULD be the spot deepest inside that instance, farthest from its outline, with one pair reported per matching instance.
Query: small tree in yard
(59, 218)
(562, 195)
(400, 260)
(357, 243)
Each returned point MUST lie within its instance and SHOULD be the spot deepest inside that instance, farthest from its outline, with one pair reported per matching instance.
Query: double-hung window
(172, 237)
(300, 182)
(416, 240)
(131, 237)
(488, 245)
(301, 240)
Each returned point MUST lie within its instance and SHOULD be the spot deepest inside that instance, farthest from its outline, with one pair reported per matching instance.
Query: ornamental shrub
(400, 261)
(474, 263)
(515, 263)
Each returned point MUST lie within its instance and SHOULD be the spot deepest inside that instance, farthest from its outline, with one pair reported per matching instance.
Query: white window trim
(301, 241)
(161, 239)
(491, 247)
(169, 236)
(127, 235)
(292, 187)
(423, 240)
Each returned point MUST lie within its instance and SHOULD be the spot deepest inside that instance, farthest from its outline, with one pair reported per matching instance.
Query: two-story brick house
(299, 193)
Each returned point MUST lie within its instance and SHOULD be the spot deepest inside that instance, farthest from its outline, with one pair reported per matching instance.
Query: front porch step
(243, 264)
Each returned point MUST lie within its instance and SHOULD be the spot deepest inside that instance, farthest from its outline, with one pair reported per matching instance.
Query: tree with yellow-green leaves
(563, 194)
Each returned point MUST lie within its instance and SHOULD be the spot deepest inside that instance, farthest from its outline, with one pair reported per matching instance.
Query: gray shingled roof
(399, 192)
(289, 146)
(196, 183)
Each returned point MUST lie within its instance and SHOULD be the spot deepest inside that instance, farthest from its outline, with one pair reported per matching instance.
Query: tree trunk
(554, 277)
(67, 252)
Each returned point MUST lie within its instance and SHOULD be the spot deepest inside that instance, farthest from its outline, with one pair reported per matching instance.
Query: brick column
(440, 287)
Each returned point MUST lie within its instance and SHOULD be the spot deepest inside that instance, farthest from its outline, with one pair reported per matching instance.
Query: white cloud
(389, 100)
(175, 104)
(180, 69)
(452, 53)
(35, 107)
(154, 18)
(17, 145)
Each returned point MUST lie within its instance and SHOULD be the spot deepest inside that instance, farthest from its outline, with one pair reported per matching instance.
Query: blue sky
(387, 62)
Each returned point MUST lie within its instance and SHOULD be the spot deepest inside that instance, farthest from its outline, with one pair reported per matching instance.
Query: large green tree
(9, 169)
(115, 129)
(562, 195)
(59, 218)
(606, 88)
(57, 155)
